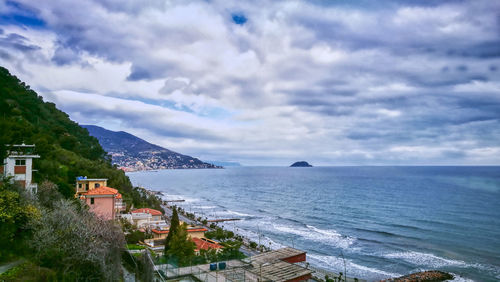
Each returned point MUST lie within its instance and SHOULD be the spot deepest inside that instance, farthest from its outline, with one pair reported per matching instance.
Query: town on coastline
(171, 244)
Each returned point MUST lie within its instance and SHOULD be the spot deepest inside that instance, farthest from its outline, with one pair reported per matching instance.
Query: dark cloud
(401, 82)
(17, 42)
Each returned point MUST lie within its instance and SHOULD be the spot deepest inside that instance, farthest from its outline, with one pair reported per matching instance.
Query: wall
(103, 207)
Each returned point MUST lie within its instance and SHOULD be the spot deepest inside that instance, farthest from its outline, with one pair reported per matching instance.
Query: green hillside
(66, 149)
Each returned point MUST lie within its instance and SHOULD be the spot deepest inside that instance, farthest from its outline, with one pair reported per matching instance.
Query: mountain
(133, 153)
(301, 164)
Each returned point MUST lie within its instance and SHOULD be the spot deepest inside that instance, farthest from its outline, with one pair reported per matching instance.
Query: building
(19, 165)
(193, 232)
(146, 218)
(280, 265)
(102, 201)
(206, 244)
(84, 184)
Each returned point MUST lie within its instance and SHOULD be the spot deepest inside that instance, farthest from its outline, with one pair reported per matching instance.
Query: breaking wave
(330, 236)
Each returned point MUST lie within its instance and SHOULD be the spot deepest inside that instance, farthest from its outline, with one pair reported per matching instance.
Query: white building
(145, 218)
(19, 165)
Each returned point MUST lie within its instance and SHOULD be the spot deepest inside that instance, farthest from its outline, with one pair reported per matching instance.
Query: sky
(272, 82)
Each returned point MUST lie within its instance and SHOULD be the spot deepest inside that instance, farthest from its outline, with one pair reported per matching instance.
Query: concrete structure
(84, 184)
(102, 201)
(19, 165)
(271, 266)
(279, 265)
(287, 254)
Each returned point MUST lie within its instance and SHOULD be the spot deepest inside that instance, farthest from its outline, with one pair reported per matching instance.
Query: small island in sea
(301, 164)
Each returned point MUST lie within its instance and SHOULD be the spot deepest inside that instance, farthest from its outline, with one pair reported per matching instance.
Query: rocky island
(301, 164)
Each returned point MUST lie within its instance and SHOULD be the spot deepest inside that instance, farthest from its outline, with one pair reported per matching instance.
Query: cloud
(272, 81)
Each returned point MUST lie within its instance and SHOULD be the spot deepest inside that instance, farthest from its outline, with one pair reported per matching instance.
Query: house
(102, 201)
(193, 232)
(206, 244)
(19, 165)
(84, 184)
(145, 218)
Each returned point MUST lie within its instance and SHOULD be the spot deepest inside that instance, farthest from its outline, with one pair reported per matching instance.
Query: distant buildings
(19, 165)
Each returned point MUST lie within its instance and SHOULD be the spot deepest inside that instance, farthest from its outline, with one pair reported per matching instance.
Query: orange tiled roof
(205, 245)
(103, 190)
(189, 230)
(119, 196)
(147, 210)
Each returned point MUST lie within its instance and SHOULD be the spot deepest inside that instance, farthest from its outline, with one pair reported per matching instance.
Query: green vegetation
(15, 213)
(135, 247)
(219, 234)
(64, 237)
(54, 233)
(66, 149)
(28, 271)
(135, 237)
(180, 247)
(174, 225)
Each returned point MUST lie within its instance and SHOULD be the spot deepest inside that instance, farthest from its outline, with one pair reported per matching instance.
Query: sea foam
(353, 269)
(325, 236)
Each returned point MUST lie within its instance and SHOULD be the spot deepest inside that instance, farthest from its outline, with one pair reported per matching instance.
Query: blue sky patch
(239, 19)
(21, 15)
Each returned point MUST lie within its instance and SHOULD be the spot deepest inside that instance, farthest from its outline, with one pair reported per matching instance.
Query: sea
(370, 222)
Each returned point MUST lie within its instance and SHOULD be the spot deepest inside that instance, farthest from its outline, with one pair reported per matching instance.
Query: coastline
(319, 273)
(249, 194)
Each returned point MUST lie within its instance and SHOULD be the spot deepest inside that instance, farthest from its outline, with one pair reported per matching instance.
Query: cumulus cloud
(267, 82)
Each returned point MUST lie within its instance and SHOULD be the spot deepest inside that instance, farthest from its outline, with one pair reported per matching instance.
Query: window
(91, 201)
(96, 185)
(20, 162)
(80, 185)
(86, 186)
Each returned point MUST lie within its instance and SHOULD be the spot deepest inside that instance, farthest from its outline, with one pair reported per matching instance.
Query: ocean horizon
(376, 221)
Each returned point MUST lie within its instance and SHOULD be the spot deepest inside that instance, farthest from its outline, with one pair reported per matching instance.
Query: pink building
(103, 201)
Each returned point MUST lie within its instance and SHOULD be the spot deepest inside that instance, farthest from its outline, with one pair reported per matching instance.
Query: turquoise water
(385, 221)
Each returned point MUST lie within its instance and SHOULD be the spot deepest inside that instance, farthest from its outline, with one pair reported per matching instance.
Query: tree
(77, 244)
(15, 212)
(181, 247)
(174, 225)
(48, 194)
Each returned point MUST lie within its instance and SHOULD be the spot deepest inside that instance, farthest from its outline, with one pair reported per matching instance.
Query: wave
(180, 197)
(425, 259)
(205, 207)
(433, 261)
(387, 234)
(353, 269)
(458, 278)
(312, 233)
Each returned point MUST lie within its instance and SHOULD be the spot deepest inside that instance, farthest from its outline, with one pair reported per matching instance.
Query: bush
(135, 237)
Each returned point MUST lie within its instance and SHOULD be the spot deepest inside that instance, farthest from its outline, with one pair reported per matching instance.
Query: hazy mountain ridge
(133, 153)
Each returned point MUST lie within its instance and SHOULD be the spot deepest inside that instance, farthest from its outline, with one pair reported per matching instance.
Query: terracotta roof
(205, 245)
(103, 190)
(189, 230)
(147, 210)
(119, 196)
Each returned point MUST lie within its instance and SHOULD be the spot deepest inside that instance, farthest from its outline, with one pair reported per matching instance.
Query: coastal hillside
(66, 149)
(133, 153)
